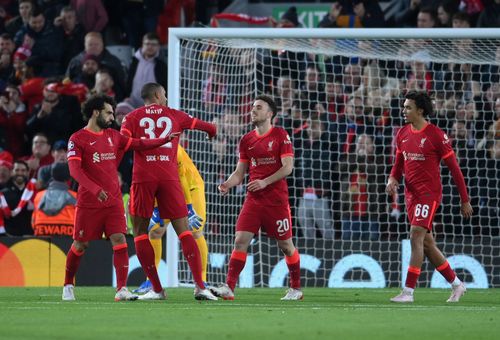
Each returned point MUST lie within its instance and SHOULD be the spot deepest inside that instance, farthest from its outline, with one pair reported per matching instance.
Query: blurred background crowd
(341, 112)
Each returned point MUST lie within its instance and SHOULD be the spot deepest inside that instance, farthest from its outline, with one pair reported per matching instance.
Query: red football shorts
(91, 223)
(421, 211)
(276, 221)
(168, 194)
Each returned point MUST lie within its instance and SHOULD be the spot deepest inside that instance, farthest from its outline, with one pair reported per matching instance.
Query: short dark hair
(151, 36)
(431, 11)
(149, 89)
(20, 161)
(96, 102)
(272, 105)
(461, 16)
(422, 101)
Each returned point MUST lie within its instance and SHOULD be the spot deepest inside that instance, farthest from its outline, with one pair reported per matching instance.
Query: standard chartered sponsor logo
(105, 156)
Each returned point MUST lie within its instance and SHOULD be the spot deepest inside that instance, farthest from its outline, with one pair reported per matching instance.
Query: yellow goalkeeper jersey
(188, 174)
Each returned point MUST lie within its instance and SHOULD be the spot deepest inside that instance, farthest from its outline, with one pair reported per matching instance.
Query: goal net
(340, 94)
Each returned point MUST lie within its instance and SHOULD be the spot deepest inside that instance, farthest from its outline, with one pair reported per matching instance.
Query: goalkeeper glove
(194, 221)
(155, 219)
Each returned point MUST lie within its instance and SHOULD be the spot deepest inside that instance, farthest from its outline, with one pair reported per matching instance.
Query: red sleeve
(286, 149)
(145, 144)
(397, 168)
(442, 143)
(458, 177)
(201, 125)
(126, 128)
(75, 169)
(243, 150)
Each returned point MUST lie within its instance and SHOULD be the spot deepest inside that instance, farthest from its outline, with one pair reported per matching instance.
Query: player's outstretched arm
(209, 128)
(285, 170)
(236, 178)
(146, 144)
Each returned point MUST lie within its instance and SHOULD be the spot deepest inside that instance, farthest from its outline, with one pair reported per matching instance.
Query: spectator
(40, 154)
(94, 45)
(58, 152)
(313, 165)
(73, 33)
(7, 43)
(13, 25)
(13, 116)
(105, 84)
(408, 16)
(369, 12)
(90, 66)
(91, 14)
(148, 65)
(489, 194)
(460, 20)
(54, 210)
(58, 116)
(445, 12)
(45, 44)
(426, 18)
(289, 19)
(338, 17)
(20, 224)
(362, 185)
(490, 16)
(6, 161)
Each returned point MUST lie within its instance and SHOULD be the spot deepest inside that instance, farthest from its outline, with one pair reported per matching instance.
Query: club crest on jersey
(446, 139)
(270, 146)
(422, 141)
(110, 141)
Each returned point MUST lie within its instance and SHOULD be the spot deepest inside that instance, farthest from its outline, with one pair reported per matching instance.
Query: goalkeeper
(193, 187)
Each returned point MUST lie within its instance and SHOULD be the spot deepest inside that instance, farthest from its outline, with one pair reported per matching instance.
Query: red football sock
(236, 265)
(293, 263)
(447, 272)
(72, 263)
(120, 261)
(192, 255)
(146, 256)
(412, 277)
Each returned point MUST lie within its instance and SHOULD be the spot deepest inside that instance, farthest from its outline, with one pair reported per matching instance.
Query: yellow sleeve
(183, 174)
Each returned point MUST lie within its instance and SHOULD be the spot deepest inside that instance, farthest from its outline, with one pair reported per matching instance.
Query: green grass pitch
(39, 313)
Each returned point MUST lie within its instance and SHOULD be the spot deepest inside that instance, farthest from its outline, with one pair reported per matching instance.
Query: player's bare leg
(73, 258)
(417, 237)
(437, 258)
(237, 262)
(146, 256)
(192, 255)
(292, 259)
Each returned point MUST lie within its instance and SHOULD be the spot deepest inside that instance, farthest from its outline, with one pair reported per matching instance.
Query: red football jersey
(263, 155)
(422, 152)
(156, 121)
(98, 155)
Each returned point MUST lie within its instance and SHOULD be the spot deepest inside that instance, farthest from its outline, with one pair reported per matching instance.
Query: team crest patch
(422, 141)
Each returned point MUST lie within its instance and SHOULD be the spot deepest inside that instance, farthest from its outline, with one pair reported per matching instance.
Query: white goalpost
(340, 93)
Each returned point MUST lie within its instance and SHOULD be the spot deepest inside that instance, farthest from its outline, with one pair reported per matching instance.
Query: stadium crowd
(341, 113)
